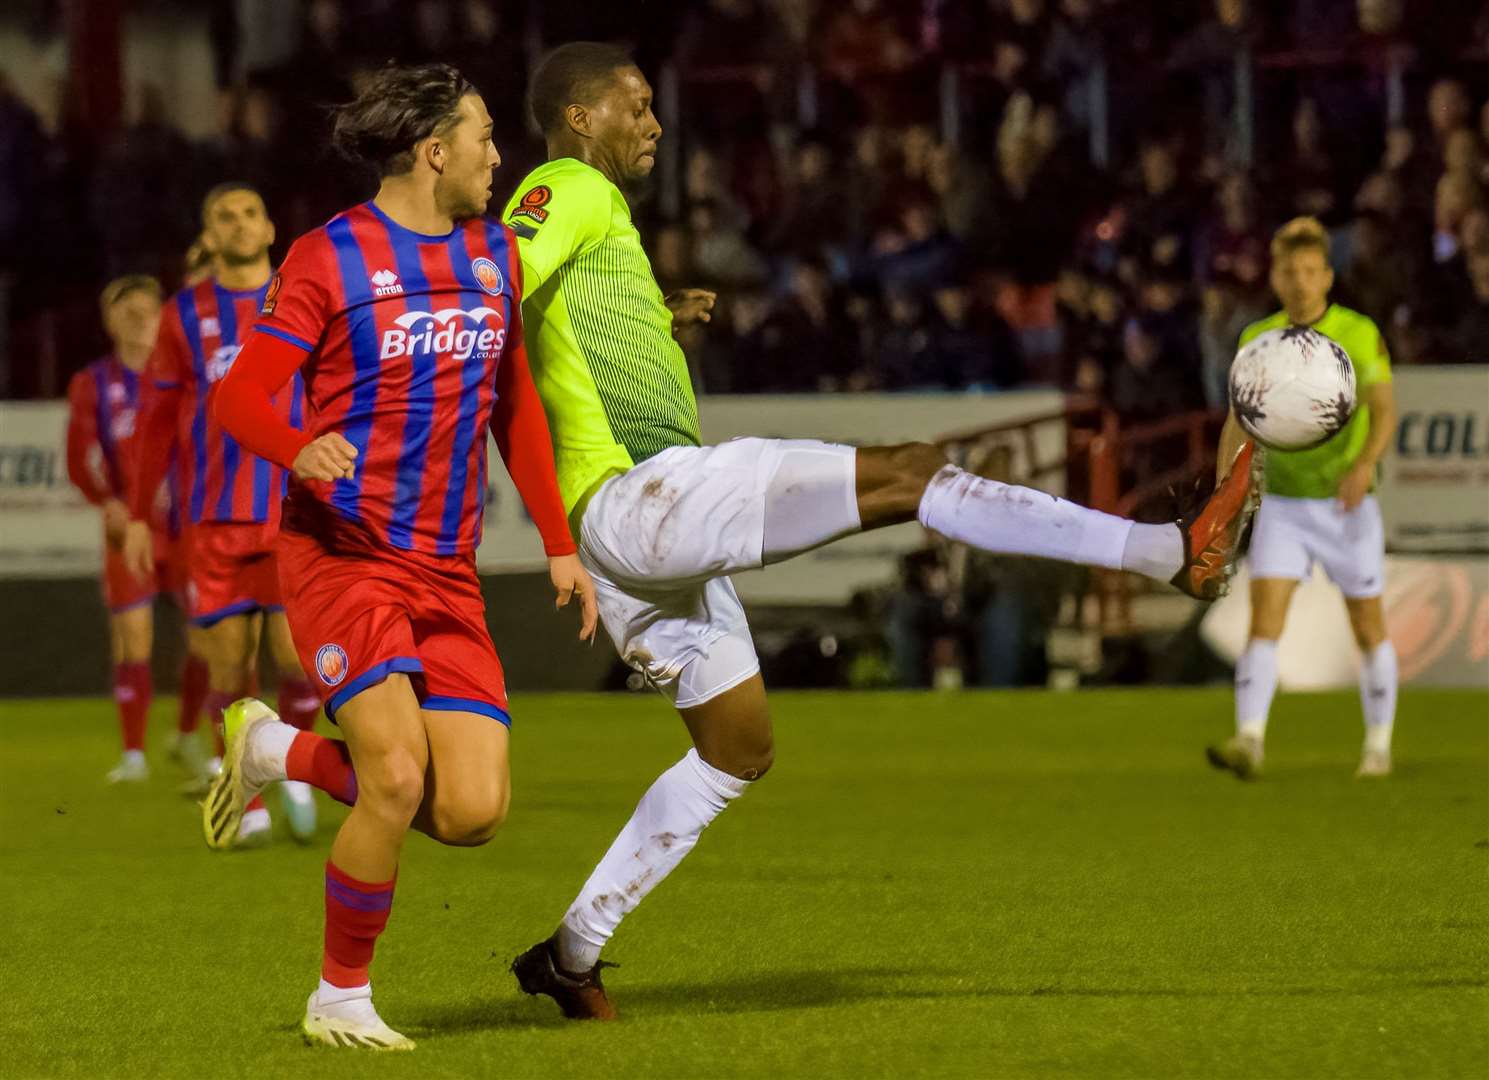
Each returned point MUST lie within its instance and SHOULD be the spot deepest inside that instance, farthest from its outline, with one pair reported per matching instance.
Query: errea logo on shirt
(420, 333)
(385, 283)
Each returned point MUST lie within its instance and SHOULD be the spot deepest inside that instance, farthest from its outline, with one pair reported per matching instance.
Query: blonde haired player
(1317, 507)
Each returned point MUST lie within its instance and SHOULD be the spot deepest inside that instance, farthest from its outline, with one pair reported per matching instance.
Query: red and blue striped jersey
(103, 439)
(405, 334)
(202, 330)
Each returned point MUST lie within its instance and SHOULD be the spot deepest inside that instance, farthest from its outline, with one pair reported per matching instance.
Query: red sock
(193, 693)
(255, 803)
(299, 703)
(217, 700)
(323, 763)
(132, 693)
(356, 912)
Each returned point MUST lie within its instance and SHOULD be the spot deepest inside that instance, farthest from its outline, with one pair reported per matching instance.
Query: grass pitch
(992, 885)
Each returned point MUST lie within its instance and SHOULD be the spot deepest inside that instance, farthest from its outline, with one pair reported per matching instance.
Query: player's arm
(1380, 395)
(162, 386)
(82, 438)
(296, 310)
(520, 428)
(82, 452)
(555, 222)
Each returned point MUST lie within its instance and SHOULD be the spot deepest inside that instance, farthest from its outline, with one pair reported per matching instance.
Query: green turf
(973, 884)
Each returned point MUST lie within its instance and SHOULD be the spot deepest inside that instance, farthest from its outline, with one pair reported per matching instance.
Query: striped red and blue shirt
(103, 440)
(413, 345)
(202, 330)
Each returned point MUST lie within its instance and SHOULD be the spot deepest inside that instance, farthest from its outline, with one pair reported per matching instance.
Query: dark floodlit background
(946, 197)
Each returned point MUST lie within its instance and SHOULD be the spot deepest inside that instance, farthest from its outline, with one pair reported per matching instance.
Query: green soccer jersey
(613, 381)
(1316, 473)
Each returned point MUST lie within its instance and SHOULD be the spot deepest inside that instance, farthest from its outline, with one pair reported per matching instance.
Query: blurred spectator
(720, 251)
(1469, 339)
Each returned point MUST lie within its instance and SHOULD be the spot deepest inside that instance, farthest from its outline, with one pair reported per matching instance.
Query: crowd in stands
(855, 246)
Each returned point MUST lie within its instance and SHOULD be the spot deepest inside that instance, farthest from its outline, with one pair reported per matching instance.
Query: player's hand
(115, 517)
(329, 457)
(571, 579)
(139, 550)
(691, 305)
(1355, 486)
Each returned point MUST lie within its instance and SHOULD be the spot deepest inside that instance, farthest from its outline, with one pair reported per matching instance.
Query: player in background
(403, 315)
(662, 520)
(1318, 507)
(232, 499)
(103, 401)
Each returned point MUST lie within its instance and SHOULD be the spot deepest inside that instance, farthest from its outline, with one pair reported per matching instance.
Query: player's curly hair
(570, 74)
(1301, 234)
(397, 108)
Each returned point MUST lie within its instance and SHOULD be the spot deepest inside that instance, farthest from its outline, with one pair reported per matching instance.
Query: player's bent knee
(470, 822)
(391, 785)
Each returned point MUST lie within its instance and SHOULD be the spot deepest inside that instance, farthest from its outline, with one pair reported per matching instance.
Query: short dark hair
(227, 187)
(399, 106)
(121, 287)
(570, 73)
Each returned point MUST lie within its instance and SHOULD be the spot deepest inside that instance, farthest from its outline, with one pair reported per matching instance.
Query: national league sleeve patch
(272, 296)
(531, 205)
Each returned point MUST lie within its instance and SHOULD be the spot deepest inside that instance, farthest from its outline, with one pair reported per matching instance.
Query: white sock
(1378, 696)
(327, 994)
(1154, 550)
(265, 756)
(134, 757)
(1011, 520)
(667, 823)
(1256, 684)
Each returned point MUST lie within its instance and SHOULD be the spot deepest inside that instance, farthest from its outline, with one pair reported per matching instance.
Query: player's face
(625, 128)
(1302, 281)
(467, 157)
(133, 320)
(237, 228)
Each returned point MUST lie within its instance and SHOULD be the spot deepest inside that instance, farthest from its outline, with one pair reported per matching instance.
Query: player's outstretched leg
(901, 483)
(732, 748)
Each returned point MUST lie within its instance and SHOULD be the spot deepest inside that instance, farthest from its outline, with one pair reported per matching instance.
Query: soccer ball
(1292, 388)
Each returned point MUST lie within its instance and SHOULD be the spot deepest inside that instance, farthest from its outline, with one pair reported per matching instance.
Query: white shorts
(1290, 535)
(660, 541)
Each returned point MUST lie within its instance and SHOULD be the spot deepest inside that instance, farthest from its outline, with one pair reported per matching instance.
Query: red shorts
(230, 570)
(360, 612)
(122, 590)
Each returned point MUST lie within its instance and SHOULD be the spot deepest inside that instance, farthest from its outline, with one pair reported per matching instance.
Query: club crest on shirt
(487, 276)
(209, 327)
(531, 204)
(330, 664)
(221, 362)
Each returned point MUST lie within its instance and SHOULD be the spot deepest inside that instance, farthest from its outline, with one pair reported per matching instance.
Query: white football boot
(132, 769)
(255, 830)
(1374, 763)
(350, 1022)
(231, 791)
(1240, 754)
